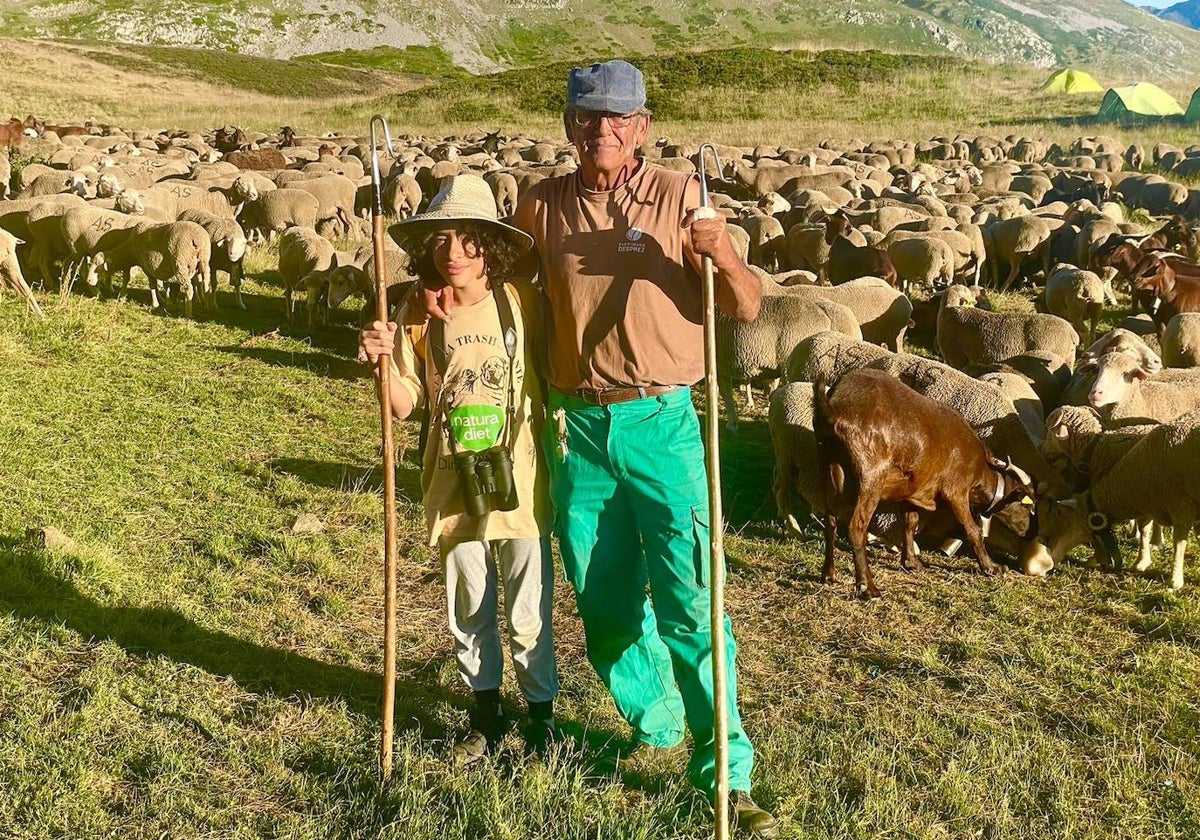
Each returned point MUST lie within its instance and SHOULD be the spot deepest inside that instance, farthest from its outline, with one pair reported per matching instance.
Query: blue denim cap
(615, 86)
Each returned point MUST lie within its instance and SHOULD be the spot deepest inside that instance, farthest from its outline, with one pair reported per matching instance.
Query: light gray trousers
(473, 570)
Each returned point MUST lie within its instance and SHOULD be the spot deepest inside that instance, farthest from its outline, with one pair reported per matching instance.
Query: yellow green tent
(1133, 103)
(1070, 81)
(1193, 111)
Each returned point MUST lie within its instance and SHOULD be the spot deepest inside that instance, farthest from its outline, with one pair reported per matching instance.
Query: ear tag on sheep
(1027, 501)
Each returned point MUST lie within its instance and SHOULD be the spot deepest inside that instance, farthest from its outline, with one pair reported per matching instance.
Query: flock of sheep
(856, 245)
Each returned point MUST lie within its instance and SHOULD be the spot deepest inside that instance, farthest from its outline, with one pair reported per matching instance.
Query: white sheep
(966, 335)
(1026, 401)
(1181, 341)
(304, 257)
(1076, 295)
(1129, 394)
(53, 183)
(1078, 445)
(81, 230)
(746, 351)
(1120, 340)
(175, 253)
(882, 312)
(920, 258)
(504, 190)
(276, 211)
(335, 198)
(1156, 479)
(988, 411)
(1014, 240)
(10, 271)
(218, 200)
(766, 239)
(228, 250)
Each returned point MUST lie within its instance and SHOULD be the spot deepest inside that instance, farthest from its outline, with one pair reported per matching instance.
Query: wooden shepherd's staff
(716, 615)
(390, 556)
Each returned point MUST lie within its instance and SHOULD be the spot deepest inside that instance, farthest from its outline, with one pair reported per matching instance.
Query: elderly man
(620, 249)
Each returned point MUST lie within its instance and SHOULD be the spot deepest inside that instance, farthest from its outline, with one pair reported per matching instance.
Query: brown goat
(1120, 253)
(878, 442)
(848, 261)
(12, 133)
(1127, 258)
(1178, 235)
(1176, 292)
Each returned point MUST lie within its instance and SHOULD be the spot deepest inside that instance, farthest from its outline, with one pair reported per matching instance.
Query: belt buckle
(608, 396)
(590, 395)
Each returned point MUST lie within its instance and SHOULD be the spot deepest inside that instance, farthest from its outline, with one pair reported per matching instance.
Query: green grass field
(192, 668)
(189, 667)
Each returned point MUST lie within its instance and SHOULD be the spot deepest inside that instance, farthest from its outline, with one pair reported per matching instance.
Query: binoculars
(486, 480)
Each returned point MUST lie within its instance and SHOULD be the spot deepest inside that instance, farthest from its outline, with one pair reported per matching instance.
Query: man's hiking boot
(749, 818)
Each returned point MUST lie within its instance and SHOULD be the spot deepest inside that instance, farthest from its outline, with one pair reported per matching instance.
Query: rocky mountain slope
(1186, 13)
(487, 35)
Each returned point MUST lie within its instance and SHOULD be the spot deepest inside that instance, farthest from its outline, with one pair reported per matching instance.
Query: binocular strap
(436, 344)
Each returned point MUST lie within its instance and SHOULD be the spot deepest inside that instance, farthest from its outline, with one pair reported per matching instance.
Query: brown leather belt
(610, 396)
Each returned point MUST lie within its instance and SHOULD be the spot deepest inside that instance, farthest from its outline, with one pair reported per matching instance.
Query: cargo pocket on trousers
(700, 556)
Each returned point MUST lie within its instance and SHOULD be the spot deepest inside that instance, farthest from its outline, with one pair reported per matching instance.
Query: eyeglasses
(591, 119)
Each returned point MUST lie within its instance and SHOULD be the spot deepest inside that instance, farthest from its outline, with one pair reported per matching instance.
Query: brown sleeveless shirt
(625, 308)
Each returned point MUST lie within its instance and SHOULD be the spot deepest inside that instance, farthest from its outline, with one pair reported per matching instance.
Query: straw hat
(463, 198)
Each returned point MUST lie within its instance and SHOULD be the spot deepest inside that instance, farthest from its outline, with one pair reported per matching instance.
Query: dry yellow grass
(58, 81)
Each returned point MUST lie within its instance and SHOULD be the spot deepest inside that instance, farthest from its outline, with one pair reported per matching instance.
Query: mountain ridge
(489, 35)
(1186, 13)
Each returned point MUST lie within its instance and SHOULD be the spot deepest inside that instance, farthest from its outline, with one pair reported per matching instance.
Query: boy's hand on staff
(375, 340)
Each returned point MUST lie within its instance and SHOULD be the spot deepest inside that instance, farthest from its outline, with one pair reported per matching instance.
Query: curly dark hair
(501, 254)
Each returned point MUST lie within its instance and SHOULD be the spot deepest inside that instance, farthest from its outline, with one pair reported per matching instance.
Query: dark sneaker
(541, 735)
(745, 813)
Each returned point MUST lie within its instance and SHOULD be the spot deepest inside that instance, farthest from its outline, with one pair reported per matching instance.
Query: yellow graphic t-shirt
(474, 395)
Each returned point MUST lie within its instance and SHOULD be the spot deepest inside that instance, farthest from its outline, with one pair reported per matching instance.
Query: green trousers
(631, 512)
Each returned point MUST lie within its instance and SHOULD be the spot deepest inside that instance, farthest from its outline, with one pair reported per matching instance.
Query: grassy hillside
(743, 96)
(191, 667)
(171, 86)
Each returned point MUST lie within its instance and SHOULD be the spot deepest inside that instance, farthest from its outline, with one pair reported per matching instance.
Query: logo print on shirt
(634, 245)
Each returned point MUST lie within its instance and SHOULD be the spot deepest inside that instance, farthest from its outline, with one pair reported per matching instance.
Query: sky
(1158, 4)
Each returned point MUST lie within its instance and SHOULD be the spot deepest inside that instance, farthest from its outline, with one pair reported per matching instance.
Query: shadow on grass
(363, 478)
(747, 471)
(323, 364)
(28, 590)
